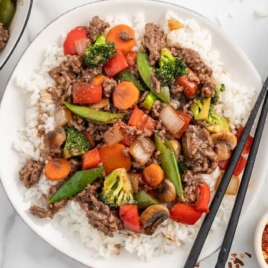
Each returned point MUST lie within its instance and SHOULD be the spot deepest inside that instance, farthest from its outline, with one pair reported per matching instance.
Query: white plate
(12, 118)
(17, 27)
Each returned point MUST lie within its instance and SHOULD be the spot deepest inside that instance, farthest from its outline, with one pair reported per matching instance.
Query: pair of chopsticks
(215, 204)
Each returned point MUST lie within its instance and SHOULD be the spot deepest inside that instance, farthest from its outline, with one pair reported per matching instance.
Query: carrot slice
(98, 79)
(114, 157)
(90, 159)
(153, 175)
(57, 169)
(125, 95)
(123, 37)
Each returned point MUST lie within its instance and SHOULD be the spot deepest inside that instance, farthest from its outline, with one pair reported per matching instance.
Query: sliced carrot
(57, 169)
(115, 35)
(90, 159)
(114, 157)
(153, 175)
(125, 95)
(98, 79)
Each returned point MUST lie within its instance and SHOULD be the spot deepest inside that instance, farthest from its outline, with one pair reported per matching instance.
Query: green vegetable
(149, 101)
(182, 167)
(170, 67)
(75, 144)
(216, 97)
(216, 123)
(99, 53)
(146, 70)
(7, 11)
(144, 199)
(92, 114)
(127, 76)
(200, 108)
(169, 164)
(117, 189)
(77, 183)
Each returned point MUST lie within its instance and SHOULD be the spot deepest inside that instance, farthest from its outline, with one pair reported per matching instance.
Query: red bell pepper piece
(142, 121)
(248, 143)
(77, 33)
(131, 58)
(201, 204)
(239, 167)
(129, 215)
(115, 65)
(84, 93)
(185, 213)
(187, 119)
(91, 159)
(190, 87)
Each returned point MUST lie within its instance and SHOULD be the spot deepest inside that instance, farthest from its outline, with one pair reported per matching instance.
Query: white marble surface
(19, 246)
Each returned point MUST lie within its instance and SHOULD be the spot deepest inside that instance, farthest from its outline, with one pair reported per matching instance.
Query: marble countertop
(19, 246)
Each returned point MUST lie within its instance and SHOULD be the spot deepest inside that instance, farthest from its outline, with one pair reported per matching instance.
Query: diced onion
(113, 136)
(232, 187)
(171, 120)
(62, 117)
(105, 103)
(80, 45)
(141, 149)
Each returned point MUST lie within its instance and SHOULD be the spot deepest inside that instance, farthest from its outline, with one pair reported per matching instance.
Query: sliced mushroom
(224, 141)
(152, 217)
(134, 179)
(55, 138)
(176, 146)
(165, 191)
(232, 187)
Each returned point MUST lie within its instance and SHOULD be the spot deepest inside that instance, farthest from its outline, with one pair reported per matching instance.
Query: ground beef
(78, 123)
(4, 35)
(154, 40)
(97, 130)
(125, 36)
(96, 27)
(156, 109)
(40, 212)
(30, 173)
(75, 165)
(109, 85)
(99, 215)
(155, 83)
(190, 178)
(195, 63)
(190, 194)
(88, 74)
(57, 95)
(198, 150)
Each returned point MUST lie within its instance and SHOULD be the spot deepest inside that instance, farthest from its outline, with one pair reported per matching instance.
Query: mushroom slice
(224, 141)
(165, 191)
(152, 217)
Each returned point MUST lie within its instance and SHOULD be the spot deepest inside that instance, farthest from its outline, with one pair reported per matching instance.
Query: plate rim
(219, 30)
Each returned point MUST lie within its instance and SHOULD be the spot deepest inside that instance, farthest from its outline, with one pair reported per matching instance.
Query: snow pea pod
(144, 200)
(77, 183)
(149, 101)
(7, 11)
(127, 76)
(146, 70)
(92, 114)
(169, 164)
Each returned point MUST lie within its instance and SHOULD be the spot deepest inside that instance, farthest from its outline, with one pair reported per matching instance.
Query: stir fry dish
(135, 131)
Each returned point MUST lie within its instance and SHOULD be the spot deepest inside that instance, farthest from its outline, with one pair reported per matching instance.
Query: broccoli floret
(75, 144)
(98, 53)
(170, 67)
(117, 189)
(216, 123)
(216, 97)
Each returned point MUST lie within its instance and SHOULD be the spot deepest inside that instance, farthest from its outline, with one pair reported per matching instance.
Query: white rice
(235, 104)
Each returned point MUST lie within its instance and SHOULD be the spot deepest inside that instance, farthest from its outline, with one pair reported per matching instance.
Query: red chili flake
(248, 254)
(230, 265)
(197, 265)
(237, 266)
(234, 255)
(238, 261)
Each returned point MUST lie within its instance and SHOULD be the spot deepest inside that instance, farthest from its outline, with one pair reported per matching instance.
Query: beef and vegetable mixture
(134, 131)
(7, 11)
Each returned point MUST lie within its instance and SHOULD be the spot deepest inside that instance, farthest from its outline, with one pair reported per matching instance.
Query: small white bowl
(258, 240)
(17, 27)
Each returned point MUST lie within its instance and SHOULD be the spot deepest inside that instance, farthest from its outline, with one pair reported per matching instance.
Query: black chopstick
(230, 231)
(215, 204)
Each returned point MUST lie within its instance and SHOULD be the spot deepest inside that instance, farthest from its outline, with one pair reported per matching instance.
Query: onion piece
(113, 136)
(62, 117)
(141, 149)
(171, 120)
(105, 103)
(80, 45)
(232, 187)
